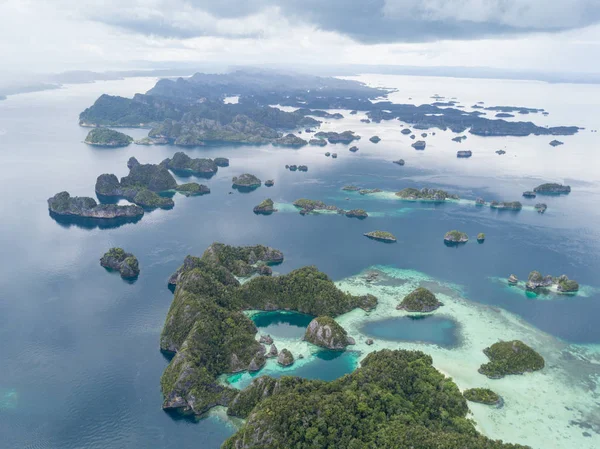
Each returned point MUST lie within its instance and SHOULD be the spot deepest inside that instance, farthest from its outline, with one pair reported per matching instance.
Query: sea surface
(80, 360)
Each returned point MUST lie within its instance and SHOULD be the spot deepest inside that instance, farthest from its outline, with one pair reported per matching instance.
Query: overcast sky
(57, 35)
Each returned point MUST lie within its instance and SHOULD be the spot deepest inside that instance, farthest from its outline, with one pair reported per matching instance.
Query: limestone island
(510, 357)
(536, 281)
(356, 213)
(207, 331)
(246, 182)
(269, 183)
(541, 207)
(334, 137)
(143, 185)
(399, 162)
(81, 206)
(369, 191)
(325, 332)
(125, 263)
(482, 396)
(500, 152)
(425, 194)
(506, 205)
(285, 358)
(433, 414)
(481, 237)
(265, 207)
(552, 188)
(353, 149)
(455, 237)
(290, 140)
(327, 154)
(459, 139)
(420, 300)
(464, 153)
(334, 155)
(556, 143)
(105, 137)
(406, 131)
(419, 145)
(382, 236)
(375, 139)
(181, 162)
(351, 188)
(529, 194)
(317, 142)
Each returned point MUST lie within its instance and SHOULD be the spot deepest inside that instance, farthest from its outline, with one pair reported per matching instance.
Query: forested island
(208, 332)
(191, 111)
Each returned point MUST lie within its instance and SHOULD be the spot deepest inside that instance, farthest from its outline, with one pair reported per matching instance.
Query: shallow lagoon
(418, 328)
(82, 366)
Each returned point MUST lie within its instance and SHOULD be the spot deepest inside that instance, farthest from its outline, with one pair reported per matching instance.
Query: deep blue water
(424, 328)
(80, 345)
(282, 324)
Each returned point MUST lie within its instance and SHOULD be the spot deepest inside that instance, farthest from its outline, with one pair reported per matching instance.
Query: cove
(423, 328)
(323, 365)
(281, 323)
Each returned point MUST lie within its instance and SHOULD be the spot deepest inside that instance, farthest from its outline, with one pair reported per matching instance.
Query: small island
(382, 236)
(334, 155)
(540, 207)
(552, 188)
(406, 131)
(307, 206)
(119, 260)
(459, 139)
(334, 137)
(192, 189)
(556, 143)
(105, 137)
(425, 194)
(246, 182)
(510, 357)
(290, 140)
(464, 153)
(482, 396)
(357, 213)
(285, 358)
(455, 237)
(419, 145)
(506, 205)
(399, 162)
(181, 162)
(80, 206)
(353, 149)
(375, 139)
(317, 142)
(325, 332)
(265, 207)
(529, 194)
(536, 282)
(420, 300)
(481, 237)
(269, 183)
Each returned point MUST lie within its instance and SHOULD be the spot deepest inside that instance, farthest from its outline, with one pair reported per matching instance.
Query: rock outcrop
(64, 204)
(325, 332)
(265, 207)
(119, 260)
(382, 236)
(420, 300)
(285, 358)
(104, 137)
(552, 188)
(455, 237)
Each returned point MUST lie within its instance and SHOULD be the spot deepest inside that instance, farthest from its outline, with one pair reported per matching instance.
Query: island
(317, 142)
(375, 139)
(419, 300)
(506, 205)
(119, 260)
(399, 162)
(500, 152)
(556, 143)
(265, 207)
(481, 237)
(181, 162)
(80, 206)
(246, 182)
(327, 154)
(482, 396)
(334, 155)
(406, 131)
(455, 237)
(552, 188)
(307, 206)
(221, 161)
(104, 137)
(510, 357)
(290, 140)
(566, 285)
(433, 414)
(504, 115)
(269, 183)
(335, 137)
(356, 213)
(425, 194)
(419, 145)
(285, 358)
(192, 189)
(540, 207)
(353, 149)
(325, 332)
(459, 139)
(369, 191)
(206, 331)
(513, 280)
(305, 168)
(529, 194)
(464, 153)
(382, 236)
(563, 284)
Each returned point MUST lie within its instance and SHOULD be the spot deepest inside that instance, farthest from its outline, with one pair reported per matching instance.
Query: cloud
(365, 21)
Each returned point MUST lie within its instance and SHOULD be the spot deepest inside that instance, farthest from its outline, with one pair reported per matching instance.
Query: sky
(59, 35)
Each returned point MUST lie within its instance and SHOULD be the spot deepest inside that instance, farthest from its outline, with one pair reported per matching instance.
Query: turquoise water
(423, 328)
(326, 365)
(81, 365)
(282, 324)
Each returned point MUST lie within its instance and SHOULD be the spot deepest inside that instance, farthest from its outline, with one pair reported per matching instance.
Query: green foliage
(510, 357)
(246, 180)
(150, 176)
(149, 199)
(381, 235)
(508, 205)
(395, 400)
(481, 236)
(425, 194)
(241, 260)
(107, 137)
(192, 188)
(324, 331)
(482, 395)
(181, 161)
(419, 300)
(117, 253)
(456, 236)
(567, 285)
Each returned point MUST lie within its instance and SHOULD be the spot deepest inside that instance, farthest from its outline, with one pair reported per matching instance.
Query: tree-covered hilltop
(482, 395)
(208, 332)
(425, 194)
(104, 137)
(123, 262)
(183, 163)
(396, 399)
(510, 357)
(419, 300)
(382, 236)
